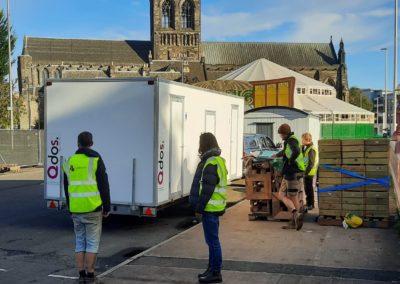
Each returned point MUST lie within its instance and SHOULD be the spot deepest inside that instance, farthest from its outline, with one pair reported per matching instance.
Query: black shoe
(82, 277)
(204, 273)
(211, 277)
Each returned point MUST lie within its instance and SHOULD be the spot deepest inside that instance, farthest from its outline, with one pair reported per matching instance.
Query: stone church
(174, 52)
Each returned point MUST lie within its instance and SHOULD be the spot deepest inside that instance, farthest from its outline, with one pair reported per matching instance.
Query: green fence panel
(347, 131)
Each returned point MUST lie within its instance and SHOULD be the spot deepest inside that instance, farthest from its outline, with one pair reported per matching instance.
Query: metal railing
(22, 147)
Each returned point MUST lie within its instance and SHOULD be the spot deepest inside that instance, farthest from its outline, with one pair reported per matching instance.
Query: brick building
(174, 52)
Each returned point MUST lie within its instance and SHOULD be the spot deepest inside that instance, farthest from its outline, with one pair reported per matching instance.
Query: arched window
(45, 75)
(188, 15)
(167, 14)
(38, 77)
(57, 74)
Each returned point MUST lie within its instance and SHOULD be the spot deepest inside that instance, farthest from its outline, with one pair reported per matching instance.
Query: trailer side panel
(120, 115)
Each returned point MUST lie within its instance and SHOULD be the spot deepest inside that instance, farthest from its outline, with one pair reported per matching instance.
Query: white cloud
(356, 21)
(379, 13)
(317, 27)
(234, 24)
(124, 34)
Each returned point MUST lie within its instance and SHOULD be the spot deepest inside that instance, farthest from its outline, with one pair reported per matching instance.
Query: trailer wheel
(252, 217)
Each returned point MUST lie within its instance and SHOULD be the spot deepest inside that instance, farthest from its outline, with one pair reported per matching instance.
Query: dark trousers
(309, 189)
(210, 228)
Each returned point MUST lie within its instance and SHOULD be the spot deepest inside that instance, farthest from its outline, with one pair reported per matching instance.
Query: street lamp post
(10, 68)
(377, 115)
(385, 112)
(395, 72)
(183, 64)
(30, 88)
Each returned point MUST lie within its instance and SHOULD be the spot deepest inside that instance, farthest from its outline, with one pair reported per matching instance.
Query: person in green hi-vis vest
(311, 160)
(88, 198)
(208, 199)
(293, 171)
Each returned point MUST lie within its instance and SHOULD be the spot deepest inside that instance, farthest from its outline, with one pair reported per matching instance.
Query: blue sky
(365, 25)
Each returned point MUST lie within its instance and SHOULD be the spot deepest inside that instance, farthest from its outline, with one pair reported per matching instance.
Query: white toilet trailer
(266, 120)
(147, 132)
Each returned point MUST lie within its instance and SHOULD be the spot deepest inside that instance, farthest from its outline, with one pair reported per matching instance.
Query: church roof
(285, 54)
(85, 51)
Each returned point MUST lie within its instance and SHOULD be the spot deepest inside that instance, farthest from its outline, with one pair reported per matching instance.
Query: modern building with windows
(377, 98)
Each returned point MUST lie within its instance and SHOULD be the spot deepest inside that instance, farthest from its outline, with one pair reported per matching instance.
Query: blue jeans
(87, 229)
(210, 228)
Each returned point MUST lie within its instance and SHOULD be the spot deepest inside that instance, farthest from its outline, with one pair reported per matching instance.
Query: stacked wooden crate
(376, 160)
(363, 157)
(330, 203)
(353, 161)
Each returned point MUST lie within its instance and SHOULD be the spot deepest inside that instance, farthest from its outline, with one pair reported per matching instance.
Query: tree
(18, 105)
(4, 69)
(358, 99)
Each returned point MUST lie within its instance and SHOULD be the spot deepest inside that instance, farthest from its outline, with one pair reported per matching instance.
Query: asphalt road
(36, 242)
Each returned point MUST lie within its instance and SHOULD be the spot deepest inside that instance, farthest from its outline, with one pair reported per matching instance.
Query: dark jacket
(101, 178)
(290, 168)
(311, 158)
(210, 181)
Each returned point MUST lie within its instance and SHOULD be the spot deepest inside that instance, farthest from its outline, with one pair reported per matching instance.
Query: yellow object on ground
(353, 221)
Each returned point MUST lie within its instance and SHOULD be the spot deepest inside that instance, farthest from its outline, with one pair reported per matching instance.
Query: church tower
(342, 83)
(175, 29)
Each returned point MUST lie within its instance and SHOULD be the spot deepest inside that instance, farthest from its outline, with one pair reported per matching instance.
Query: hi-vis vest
(217, 202)
(84, 195)
(300, 158)
(313, 171)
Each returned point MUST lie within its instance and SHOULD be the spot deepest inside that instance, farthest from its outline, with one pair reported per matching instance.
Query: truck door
(176, 146)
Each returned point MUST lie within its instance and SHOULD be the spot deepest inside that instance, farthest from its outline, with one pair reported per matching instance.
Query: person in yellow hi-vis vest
(311, 160)
(208, 199)
(88, 198)
(293, 171)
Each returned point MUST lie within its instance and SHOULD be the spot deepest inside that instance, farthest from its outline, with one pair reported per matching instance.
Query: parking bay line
(3, 270)
(62, 276)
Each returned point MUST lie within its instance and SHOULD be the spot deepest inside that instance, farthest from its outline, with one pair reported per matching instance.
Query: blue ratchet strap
(381, 181)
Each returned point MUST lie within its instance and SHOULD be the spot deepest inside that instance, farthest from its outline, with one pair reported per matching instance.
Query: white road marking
(62, 276)
(3, 270)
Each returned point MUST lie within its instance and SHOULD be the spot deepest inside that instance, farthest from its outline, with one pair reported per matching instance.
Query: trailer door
(234, 141)
(176, 145)
(210, 123)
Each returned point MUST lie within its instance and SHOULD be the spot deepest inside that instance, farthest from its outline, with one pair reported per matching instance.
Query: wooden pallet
(367, 222)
